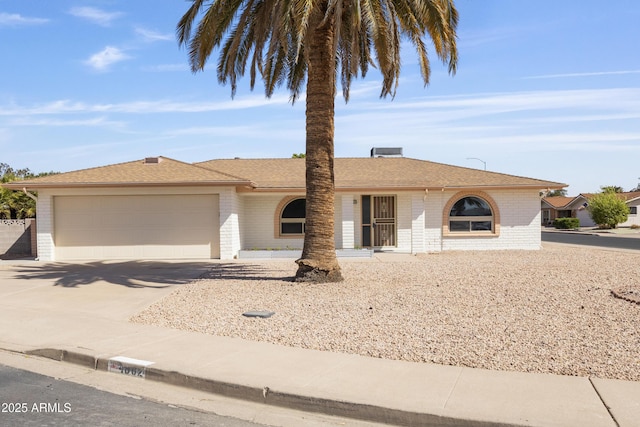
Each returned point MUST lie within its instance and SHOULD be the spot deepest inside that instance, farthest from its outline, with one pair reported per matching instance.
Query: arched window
(292, 218)
(471, 214)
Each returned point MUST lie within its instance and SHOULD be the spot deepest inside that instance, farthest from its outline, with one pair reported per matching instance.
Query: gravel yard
(533, 311)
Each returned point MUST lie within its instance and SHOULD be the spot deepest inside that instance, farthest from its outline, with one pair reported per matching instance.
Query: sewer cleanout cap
(263, 314)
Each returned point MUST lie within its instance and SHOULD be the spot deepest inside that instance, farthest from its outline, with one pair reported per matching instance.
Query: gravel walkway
(532, 311)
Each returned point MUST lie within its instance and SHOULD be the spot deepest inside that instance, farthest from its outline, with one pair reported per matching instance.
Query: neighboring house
(160, 208)
(555, 207)
(576, 207)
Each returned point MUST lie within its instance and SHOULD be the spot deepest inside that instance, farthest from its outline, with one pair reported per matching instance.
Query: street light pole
(475, 158)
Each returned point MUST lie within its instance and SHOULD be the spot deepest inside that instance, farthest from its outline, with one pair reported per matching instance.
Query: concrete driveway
(110, 289)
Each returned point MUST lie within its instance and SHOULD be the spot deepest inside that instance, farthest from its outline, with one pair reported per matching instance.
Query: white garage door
(136, 227)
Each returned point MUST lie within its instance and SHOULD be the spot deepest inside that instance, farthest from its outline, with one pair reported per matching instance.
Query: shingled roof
(377, 172)
(558, 201)
(383, 173)
(153, 171)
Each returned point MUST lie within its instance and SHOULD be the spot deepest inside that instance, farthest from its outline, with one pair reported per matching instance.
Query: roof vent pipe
(386, 151)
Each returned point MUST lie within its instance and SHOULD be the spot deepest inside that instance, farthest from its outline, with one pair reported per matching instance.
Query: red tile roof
(558, 201)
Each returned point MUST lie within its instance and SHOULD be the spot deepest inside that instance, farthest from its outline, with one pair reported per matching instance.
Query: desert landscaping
(549, 311)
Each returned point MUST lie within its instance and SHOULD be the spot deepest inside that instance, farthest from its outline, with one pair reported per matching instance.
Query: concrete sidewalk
(78, 313)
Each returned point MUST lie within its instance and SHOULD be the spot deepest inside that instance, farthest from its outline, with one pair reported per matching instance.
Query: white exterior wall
(404, 218)
(44, 227)
(357, 221)
(634, 219)
(418, 223)
(258, 223)
(337, 223)
(347, 221)
(584, 218)
(586, 221)
(404, 222)
(248, 221)
(434, 203)
(519, 224)
(229, 224)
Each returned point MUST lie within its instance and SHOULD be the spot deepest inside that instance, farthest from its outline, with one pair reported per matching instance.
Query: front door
(378, 221)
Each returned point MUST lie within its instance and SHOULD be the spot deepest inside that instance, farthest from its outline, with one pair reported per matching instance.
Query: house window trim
(495, 232)
(277, 231)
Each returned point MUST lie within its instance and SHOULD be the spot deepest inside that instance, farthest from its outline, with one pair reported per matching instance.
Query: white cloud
(108, 56)
(93, 122)
(95, 15)
(14, 19)
(593, 74)
(152, 36)
(439, 110)
(167, 67)
(144, 107)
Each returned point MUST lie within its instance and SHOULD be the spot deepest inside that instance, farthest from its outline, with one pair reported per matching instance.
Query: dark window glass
(481, 226)
(458, 225)
(291, 228)
(295, 209)
(366, 236)
(470, 206)
(633, 210)
(366, 209)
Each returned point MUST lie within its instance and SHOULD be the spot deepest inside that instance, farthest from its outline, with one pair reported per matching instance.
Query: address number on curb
(128, 366)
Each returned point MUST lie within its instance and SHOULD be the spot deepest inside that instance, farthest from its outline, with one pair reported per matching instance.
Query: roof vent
(386, 151)
(151, 160)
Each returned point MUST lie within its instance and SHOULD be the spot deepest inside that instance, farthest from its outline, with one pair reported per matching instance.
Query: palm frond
(183, 29)
(271, 37)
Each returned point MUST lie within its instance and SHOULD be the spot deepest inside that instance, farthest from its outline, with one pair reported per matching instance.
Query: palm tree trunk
(318, 262)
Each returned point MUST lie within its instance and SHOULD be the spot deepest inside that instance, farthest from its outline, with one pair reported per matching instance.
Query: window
(565, 214)
(471, 214)
(292, 218)
(633, 210)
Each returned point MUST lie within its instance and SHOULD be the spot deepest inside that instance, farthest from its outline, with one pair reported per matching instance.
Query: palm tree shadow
(131, 274)
(237, 271)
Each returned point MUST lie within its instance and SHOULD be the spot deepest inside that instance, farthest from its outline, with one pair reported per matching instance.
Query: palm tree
(293, 41)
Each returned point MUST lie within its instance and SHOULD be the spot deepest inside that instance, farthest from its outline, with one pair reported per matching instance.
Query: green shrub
(566, 223)
(608, 210)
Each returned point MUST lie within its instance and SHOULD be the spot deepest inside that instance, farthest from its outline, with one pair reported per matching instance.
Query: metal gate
(378, 221)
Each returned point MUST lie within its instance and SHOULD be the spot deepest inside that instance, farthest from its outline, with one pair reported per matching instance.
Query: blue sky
(546, 89)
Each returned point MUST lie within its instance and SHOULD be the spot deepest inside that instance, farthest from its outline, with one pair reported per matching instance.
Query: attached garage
(160, 208)
(136, 227)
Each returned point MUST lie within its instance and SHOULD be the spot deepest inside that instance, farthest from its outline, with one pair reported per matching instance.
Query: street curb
(272, 397)
(65, 356)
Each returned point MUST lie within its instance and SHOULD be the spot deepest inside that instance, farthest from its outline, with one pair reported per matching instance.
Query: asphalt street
(612, 242)
(31, 399)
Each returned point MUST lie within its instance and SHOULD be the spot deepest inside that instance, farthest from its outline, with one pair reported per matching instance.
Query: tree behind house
(16, 204)
(556, 193)
(611, 189)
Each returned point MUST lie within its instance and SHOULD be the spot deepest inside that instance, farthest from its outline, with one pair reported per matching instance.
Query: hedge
(566, 223)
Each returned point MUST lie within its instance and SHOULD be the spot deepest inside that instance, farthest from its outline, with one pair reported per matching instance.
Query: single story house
(576, 207)
(556, 207)
(160, 208)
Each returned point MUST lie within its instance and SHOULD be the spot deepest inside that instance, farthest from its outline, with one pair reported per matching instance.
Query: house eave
(20, 186)
(388, 188)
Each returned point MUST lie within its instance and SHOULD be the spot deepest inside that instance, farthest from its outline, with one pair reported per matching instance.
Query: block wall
(17, 237)
(519, 223)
